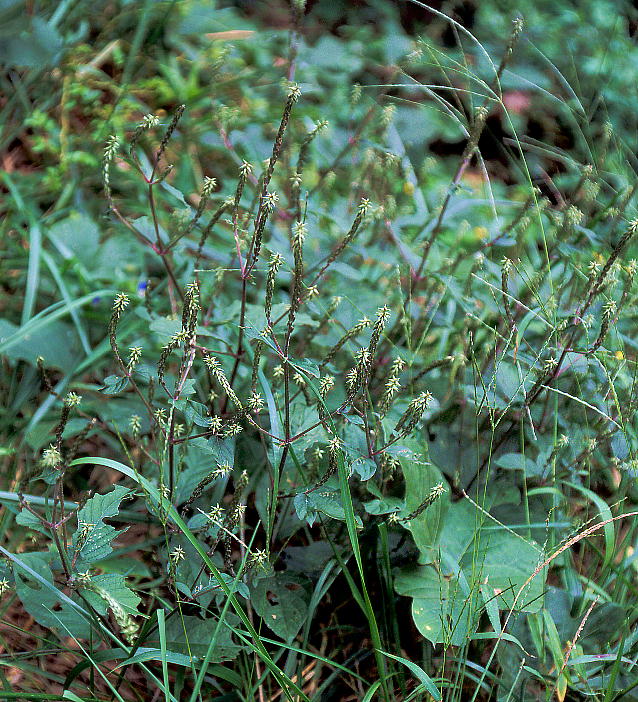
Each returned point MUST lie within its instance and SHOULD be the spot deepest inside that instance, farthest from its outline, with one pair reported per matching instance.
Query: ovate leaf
(39, 596)
(471, 563)
(191, 636)
(426, 527)
(282, 602)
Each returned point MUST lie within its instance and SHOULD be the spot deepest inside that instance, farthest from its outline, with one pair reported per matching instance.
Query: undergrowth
(350, 425)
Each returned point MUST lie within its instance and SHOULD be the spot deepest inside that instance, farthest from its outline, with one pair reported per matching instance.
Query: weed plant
(347, 430)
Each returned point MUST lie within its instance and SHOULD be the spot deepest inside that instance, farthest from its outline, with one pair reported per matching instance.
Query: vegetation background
(318, 350)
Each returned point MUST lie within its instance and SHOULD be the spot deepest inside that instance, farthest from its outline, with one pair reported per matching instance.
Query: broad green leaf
(26, 519)
(386, 505)
(426, 528)
(114, 384)
(282, 602)
(469, 565)
(77, 236)
(188, 635)
(115, 585)
(92, 540)
(323, 501)
(56, 344)
(202, 456)
(49, 609)
(516, 461)
(440, 610)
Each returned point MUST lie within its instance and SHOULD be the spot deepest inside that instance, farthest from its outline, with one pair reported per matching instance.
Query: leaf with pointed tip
(92, 540)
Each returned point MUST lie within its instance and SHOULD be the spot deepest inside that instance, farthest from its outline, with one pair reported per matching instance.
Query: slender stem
(240, 340)
(151, 201)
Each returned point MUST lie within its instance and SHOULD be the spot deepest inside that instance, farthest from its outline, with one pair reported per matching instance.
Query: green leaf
(78, 236)
(303, 509)
(282, 602)
(113, 385)
(364, 467)
(189, 635)
(439, 610)
(29, 41)
(36, 590)
(385, 505)
(516, 461)
(470, 564)
(55, 344)
(26, 519)
(197, 413)
(115, 585)
(307, 367)
(324, 501)
(92, 540)
(419, 480)
(419, 674)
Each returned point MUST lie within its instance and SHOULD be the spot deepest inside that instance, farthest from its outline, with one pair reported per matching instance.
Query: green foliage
(92, 540)
(271, 384)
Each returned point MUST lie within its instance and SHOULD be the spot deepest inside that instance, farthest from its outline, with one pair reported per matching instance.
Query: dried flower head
(232, 429)
(549, 364)
(609, 308)
(393, 385)
(83, 578)
(421, 402)
(111, 147)
(364, 206)
(255, 402)
(387, 115)
(299, 232)
(335, 445)
(135, 353)
(270, 201)
(325, 385)
(222, 470)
